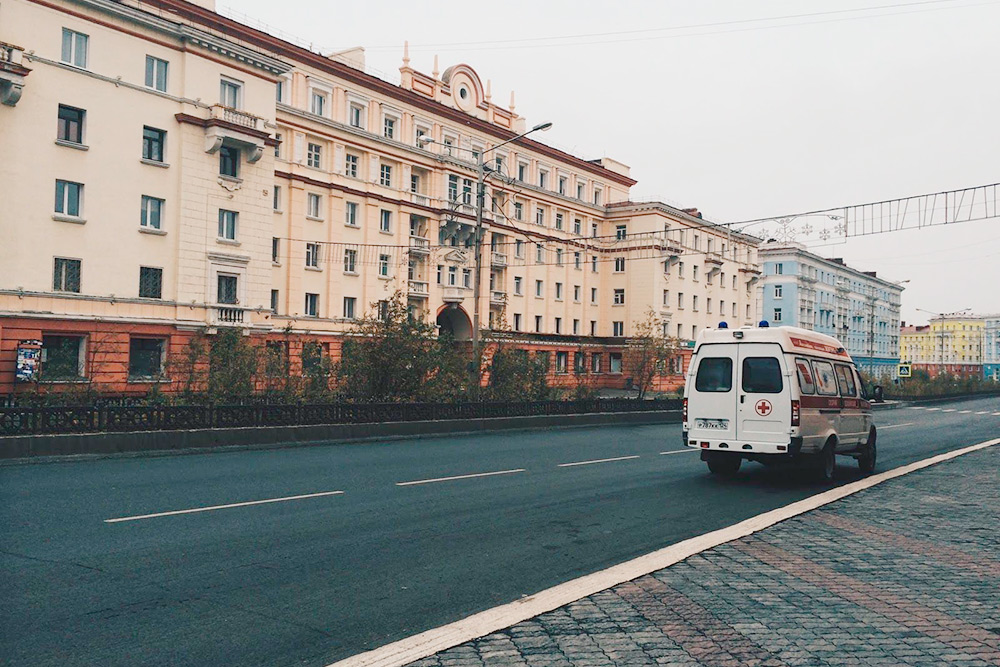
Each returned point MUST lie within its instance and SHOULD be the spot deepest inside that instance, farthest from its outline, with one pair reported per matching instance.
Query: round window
(463, 92)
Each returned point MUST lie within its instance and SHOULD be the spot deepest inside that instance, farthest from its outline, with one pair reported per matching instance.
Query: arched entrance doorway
(454, 321)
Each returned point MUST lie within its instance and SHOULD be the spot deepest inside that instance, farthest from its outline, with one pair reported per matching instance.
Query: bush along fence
(15, 421)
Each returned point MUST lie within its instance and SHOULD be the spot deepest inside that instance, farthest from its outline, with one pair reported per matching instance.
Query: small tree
(647, 352)
(232, 366)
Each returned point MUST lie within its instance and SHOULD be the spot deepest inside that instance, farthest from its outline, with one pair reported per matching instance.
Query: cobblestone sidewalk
(904, 573)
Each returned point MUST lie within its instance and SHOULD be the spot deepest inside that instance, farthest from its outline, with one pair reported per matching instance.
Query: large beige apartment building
(167, 170)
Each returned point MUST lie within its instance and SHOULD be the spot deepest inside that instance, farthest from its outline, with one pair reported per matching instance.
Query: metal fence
(128, 418)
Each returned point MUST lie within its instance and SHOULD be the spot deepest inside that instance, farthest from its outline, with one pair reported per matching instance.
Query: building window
(229, 162)
(317, 103)
(562, 185)
(593, 295)
(777, 314)
(519, 249)
(580, 190)
(150, 282)
(350, 261)
(156, 74)
(595, 359)
(66, 275)
(538, 324)
(597, 197)
(539, 288)
(145, 358)
(313, 205)
(559, 256)
(680, 269)
(312, 255)
(539, 255)
(230, 93)
(355, 115)
(779, 269)
(559, 220)
(70, 127)
(74, 48)
(680, 301)
(577, 226)
(151, 214)
(351, 214)
(617, 329)
(543, 179)
(518, 285)
(467, 191)
(562, 359)
(694, 302)
(63, 357)
(350, 303)
(312, 305)
(576, 330)
(522, 171)
(227, 289)
(559, 291)
(666, 298)
(621, 232)
(593, 263)
(274, 301)
(385, 175)
(69, 198)
(777, 291)
(593, 230)
(616, 362)
(518, 211)
(389, 127)
(152, 144)
(517, 321)
(385, 221)
(383, 265)
(351, 165)
(619, 264)
(540, 216)
(576, 293)
(275, 249)
(619, 297)
(227, 224)
(314, 155)
(593, 327)
(558, 325)
(708, 305)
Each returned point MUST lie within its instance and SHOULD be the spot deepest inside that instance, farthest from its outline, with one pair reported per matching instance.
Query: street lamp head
(424, 139)
(541, 128)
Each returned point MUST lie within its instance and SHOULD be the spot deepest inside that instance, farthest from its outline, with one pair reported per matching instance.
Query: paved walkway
(904, 573)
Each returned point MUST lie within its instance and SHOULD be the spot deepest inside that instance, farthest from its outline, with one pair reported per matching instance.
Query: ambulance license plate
(721, 424)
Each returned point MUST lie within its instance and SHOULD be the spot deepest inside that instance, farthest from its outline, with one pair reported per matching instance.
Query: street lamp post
(482, 173)
(941, 330)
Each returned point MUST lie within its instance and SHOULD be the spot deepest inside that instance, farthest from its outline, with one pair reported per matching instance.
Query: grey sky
(743, 120)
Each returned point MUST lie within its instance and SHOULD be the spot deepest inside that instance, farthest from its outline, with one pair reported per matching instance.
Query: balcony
(453, 294)
(418, 198)
(229, 315)
(713, 258)
(12, 73)
(420, 245)
(498, 297)
(498, 259)
(233, 127)
(418, 288)
(235, 116)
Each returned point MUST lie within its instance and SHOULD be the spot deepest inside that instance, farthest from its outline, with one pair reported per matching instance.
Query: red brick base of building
(102, 357)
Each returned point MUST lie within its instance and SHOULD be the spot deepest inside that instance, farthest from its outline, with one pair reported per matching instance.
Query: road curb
(483, 623)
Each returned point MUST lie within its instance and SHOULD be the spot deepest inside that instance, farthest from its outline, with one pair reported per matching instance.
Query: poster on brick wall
(29, 355)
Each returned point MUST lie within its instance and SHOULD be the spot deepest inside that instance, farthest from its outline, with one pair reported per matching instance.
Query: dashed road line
(881, 428)
(680, 451)
(915, 407)
(964, 412)
(949, 410)
(932, 409)
(224, 507)
(983, 412)
(587, 463)
(996, 414)
(449, 479)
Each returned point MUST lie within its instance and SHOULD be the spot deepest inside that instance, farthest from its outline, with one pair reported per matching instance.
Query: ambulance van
(773, 395)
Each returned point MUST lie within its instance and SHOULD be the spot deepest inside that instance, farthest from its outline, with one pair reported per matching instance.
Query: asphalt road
(312, 580)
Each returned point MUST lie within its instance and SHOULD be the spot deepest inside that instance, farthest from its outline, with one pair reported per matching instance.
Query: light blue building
(991, 347)
(799, 288)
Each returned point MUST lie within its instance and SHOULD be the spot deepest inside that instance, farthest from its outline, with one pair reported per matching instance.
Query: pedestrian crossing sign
(905, 371)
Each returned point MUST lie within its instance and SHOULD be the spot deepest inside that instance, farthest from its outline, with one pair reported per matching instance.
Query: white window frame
(314, 206)
(235, 86)
(385, 221)
(75, 48)
(351, 214)
(224, 220)
(157, 76)
(148, 206)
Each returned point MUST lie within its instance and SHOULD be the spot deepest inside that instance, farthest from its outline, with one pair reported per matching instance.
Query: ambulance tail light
(796, 413)
(684, 412)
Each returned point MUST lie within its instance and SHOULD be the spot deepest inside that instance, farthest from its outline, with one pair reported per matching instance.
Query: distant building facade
(799, 288)
(991, 347)
(190, 173)
(965, 346)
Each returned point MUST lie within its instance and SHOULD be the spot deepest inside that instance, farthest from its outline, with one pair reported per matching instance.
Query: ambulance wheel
(869, 454)
(826, 462)
(724, 464)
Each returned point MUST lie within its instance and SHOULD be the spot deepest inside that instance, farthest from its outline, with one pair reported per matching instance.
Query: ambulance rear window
(806, 383)
(715, 374)
(761, 375)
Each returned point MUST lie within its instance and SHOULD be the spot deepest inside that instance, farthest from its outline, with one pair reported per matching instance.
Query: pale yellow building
(168, 170)
(951, 344)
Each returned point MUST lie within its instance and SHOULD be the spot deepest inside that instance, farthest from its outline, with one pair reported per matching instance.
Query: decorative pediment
(457, 257)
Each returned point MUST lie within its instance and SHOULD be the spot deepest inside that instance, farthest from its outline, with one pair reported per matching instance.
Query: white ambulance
(776, 394)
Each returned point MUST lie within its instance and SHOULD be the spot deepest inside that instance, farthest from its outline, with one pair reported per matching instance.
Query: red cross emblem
(763, 407)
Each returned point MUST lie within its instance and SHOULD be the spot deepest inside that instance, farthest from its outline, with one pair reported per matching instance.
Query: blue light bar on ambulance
(723, 325)
(763, 324)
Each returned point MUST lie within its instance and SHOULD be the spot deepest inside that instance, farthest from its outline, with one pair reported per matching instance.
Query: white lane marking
(680, 451)
(880, 428)
(224, 507)
(964, 412)
(448, 479)
(917, 408)
(587, 463)
(949, 410)
(932, 409)
(983, 412)
(996, 414)
(428, 643)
